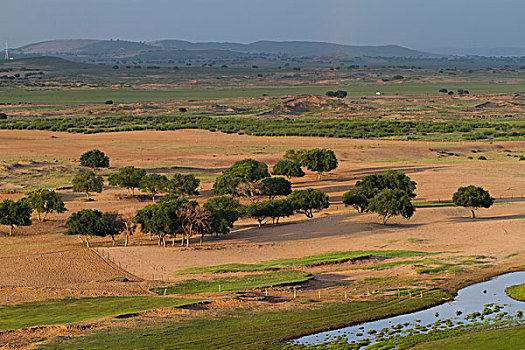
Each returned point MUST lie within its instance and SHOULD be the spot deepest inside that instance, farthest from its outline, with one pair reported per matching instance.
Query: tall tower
(6, 52)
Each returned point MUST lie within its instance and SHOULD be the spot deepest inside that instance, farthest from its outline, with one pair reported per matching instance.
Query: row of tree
(390, 194)
(131, 178)
(18, 213)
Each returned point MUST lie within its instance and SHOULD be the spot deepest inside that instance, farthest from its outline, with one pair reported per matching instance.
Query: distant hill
(295, 48)
(83, 48)
(486, 52)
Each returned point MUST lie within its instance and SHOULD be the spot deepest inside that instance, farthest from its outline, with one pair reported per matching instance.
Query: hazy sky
(414, 23)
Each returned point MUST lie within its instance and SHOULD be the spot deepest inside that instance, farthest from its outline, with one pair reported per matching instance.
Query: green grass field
(268, 279)
(57, 96)
(500, 339)
(319, 259)
(243, 329)
(516, 292)
(61, 311)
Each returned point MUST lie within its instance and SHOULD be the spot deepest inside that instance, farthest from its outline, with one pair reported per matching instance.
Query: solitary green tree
(308, 200)
(153, 184)
(127, 177)
(225, 211)
(287, 168)
(389, 203)
(86, 182)
(94, 159)
(319, 160)
(45, 201)
(87, 222)
(15, 214)
(183, 184)
(275, 186)
(472, 197)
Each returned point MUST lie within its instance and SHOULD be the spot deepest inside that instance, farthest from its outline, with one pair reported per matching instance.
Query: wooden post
(319, 294)
(421, 294)
(294, 293)
(165, 290)
(219, 288)
(346, 295)
(266, 292)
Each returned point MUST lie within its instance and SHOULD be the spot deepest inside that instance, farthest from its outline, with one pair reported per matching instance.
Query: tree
(308, 200)
(194, 220)
(258, 211)
(288, 168)
(338, 94)
(371, 185)
(275, 186)
(127, 177)
(294, 155)
(15, 214)
(87, 222)
(319, 160)
(355, 198)
(153, 184)
(472, 197)
(389, 203)
(87, 181)
(161, 219)
(116, 224)
(94, 159)
(181, 185)
(271, 208)
(247, 171)
(225, 211)
(279, 208)
(45, 201)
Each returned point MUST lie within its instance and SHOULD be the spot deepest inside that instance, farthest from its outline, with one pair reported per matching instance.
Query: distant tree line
(340, 128)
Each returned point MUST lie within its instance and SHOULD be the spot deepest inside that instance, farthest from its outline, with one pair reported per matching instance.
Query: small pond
(486, 296)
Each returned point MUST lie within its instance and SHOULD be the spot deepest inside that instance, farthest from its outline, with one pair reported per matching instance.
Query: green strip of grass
(312, 260)
(193, 286)
(433, 204)
(62, 311)
(242, 328)
(500, 339)
(516, 292)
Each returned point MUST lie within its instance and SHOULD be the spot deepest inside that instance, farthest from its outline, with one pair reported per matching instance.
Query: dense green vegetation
(246, 329)
(60, 311)
(312, 260)
(516, 292)
(268, 279)
(343, 128)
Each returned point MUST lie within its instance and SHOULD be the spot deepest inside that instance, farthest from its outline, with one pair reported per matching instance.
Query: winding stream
(469, 300)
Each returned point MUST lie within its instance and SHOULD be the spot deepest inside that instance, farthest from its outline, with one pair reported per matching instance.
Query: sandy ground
(39, 262)
(497, 233)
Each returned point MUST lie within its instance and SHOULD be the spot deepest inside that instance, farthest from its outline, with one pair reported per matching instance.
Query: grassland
(499, 339)
(266, 328)
(192, 286)
(61, 311)
(313, 260)
(516, 292)
(60, 96)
